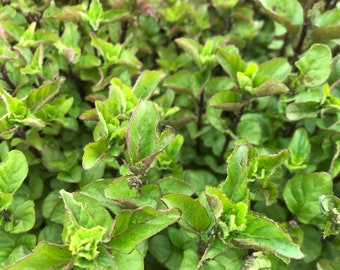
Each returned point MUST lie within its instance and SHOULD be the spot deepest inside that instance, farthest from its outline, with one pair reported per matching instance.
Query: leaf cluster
(169, 134)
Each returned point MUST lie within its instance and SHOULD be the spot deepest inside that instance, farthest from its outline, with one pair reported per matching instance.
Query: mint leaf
(147, 83)
(13, 171)
(194, 216)
(262, 233)
(302, 193)
(134, 226)
(45, 255)
(235, 186)
(314, 65)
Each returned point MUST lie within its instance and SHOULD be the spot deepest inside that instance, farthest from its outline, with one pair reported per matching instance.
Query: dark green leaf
(302, 193)
(227, 100)
(22, 218)
(311, 245)
(288, 13)
(133, 260)
(235, 186)
(95, 14)
(299, 110)
(192, 48)
(13, 171)
(231, 63)
(44, 256)
(142, 133)
(194, 216)
(147, 83)
(262, 233)
(299, 149)
(277, 68)
(314, 65)
(134, 226)
(326, 26)
(93, 152)
(271, 87)
(38, 97)
(174, 185)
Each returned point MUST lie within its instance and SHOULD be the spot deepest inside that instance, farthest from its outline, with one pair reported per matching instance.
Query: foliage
(169, 134)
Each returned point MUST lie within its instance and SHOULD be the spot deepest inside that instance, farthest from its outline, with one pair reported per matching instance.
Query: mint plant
(169, 134)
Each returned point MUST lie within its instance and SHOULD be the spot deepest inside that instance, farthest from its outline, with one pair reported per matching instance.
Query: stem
(336, 156)
(298, 48)
(331, 5)
(7, 79)
(337, 82)
(284, 46)
(306, 22)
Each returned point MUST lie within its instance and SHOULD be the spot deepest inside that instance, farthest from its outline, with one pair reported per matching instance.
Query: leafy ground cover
(169, 134)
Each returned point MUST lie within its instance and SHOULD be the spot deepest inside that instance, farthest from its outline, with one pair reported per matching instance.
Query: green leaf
(253, 127)
(125, 97)
(84, 242)
(35, 66)
(326, 264)
(133, 260)
(311, 245)
(270, 87)
(181, 81)
(51, 233)
(314, 65)
(142, 133)
(121, 192)
(173, 185)
(94, 152)
(171, 153)
(165, 138)
(194, 216)
(235, 186)
(264, 234)
(227, 100)
(16, 108)
(149, 196)
(302, 193)
(99, 213)
(76, 216)
(262, 167)
(190, 259)
(231, 63)
(110, 52)
(44, 256)
(201, 78)
(95, 14)
(11, 243)
(38, 97)
(147, 83)
(192, 48)
(106, 112)
(330, 207)
(277, 68)
(22, 218)
(299, 149)
(53, 207)
(289, 13)
(28, 36)
(300, 110)
(13, 171)
(120, 189)
(326, 26)
(96, 190)
(230, 217)
(134, 226)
